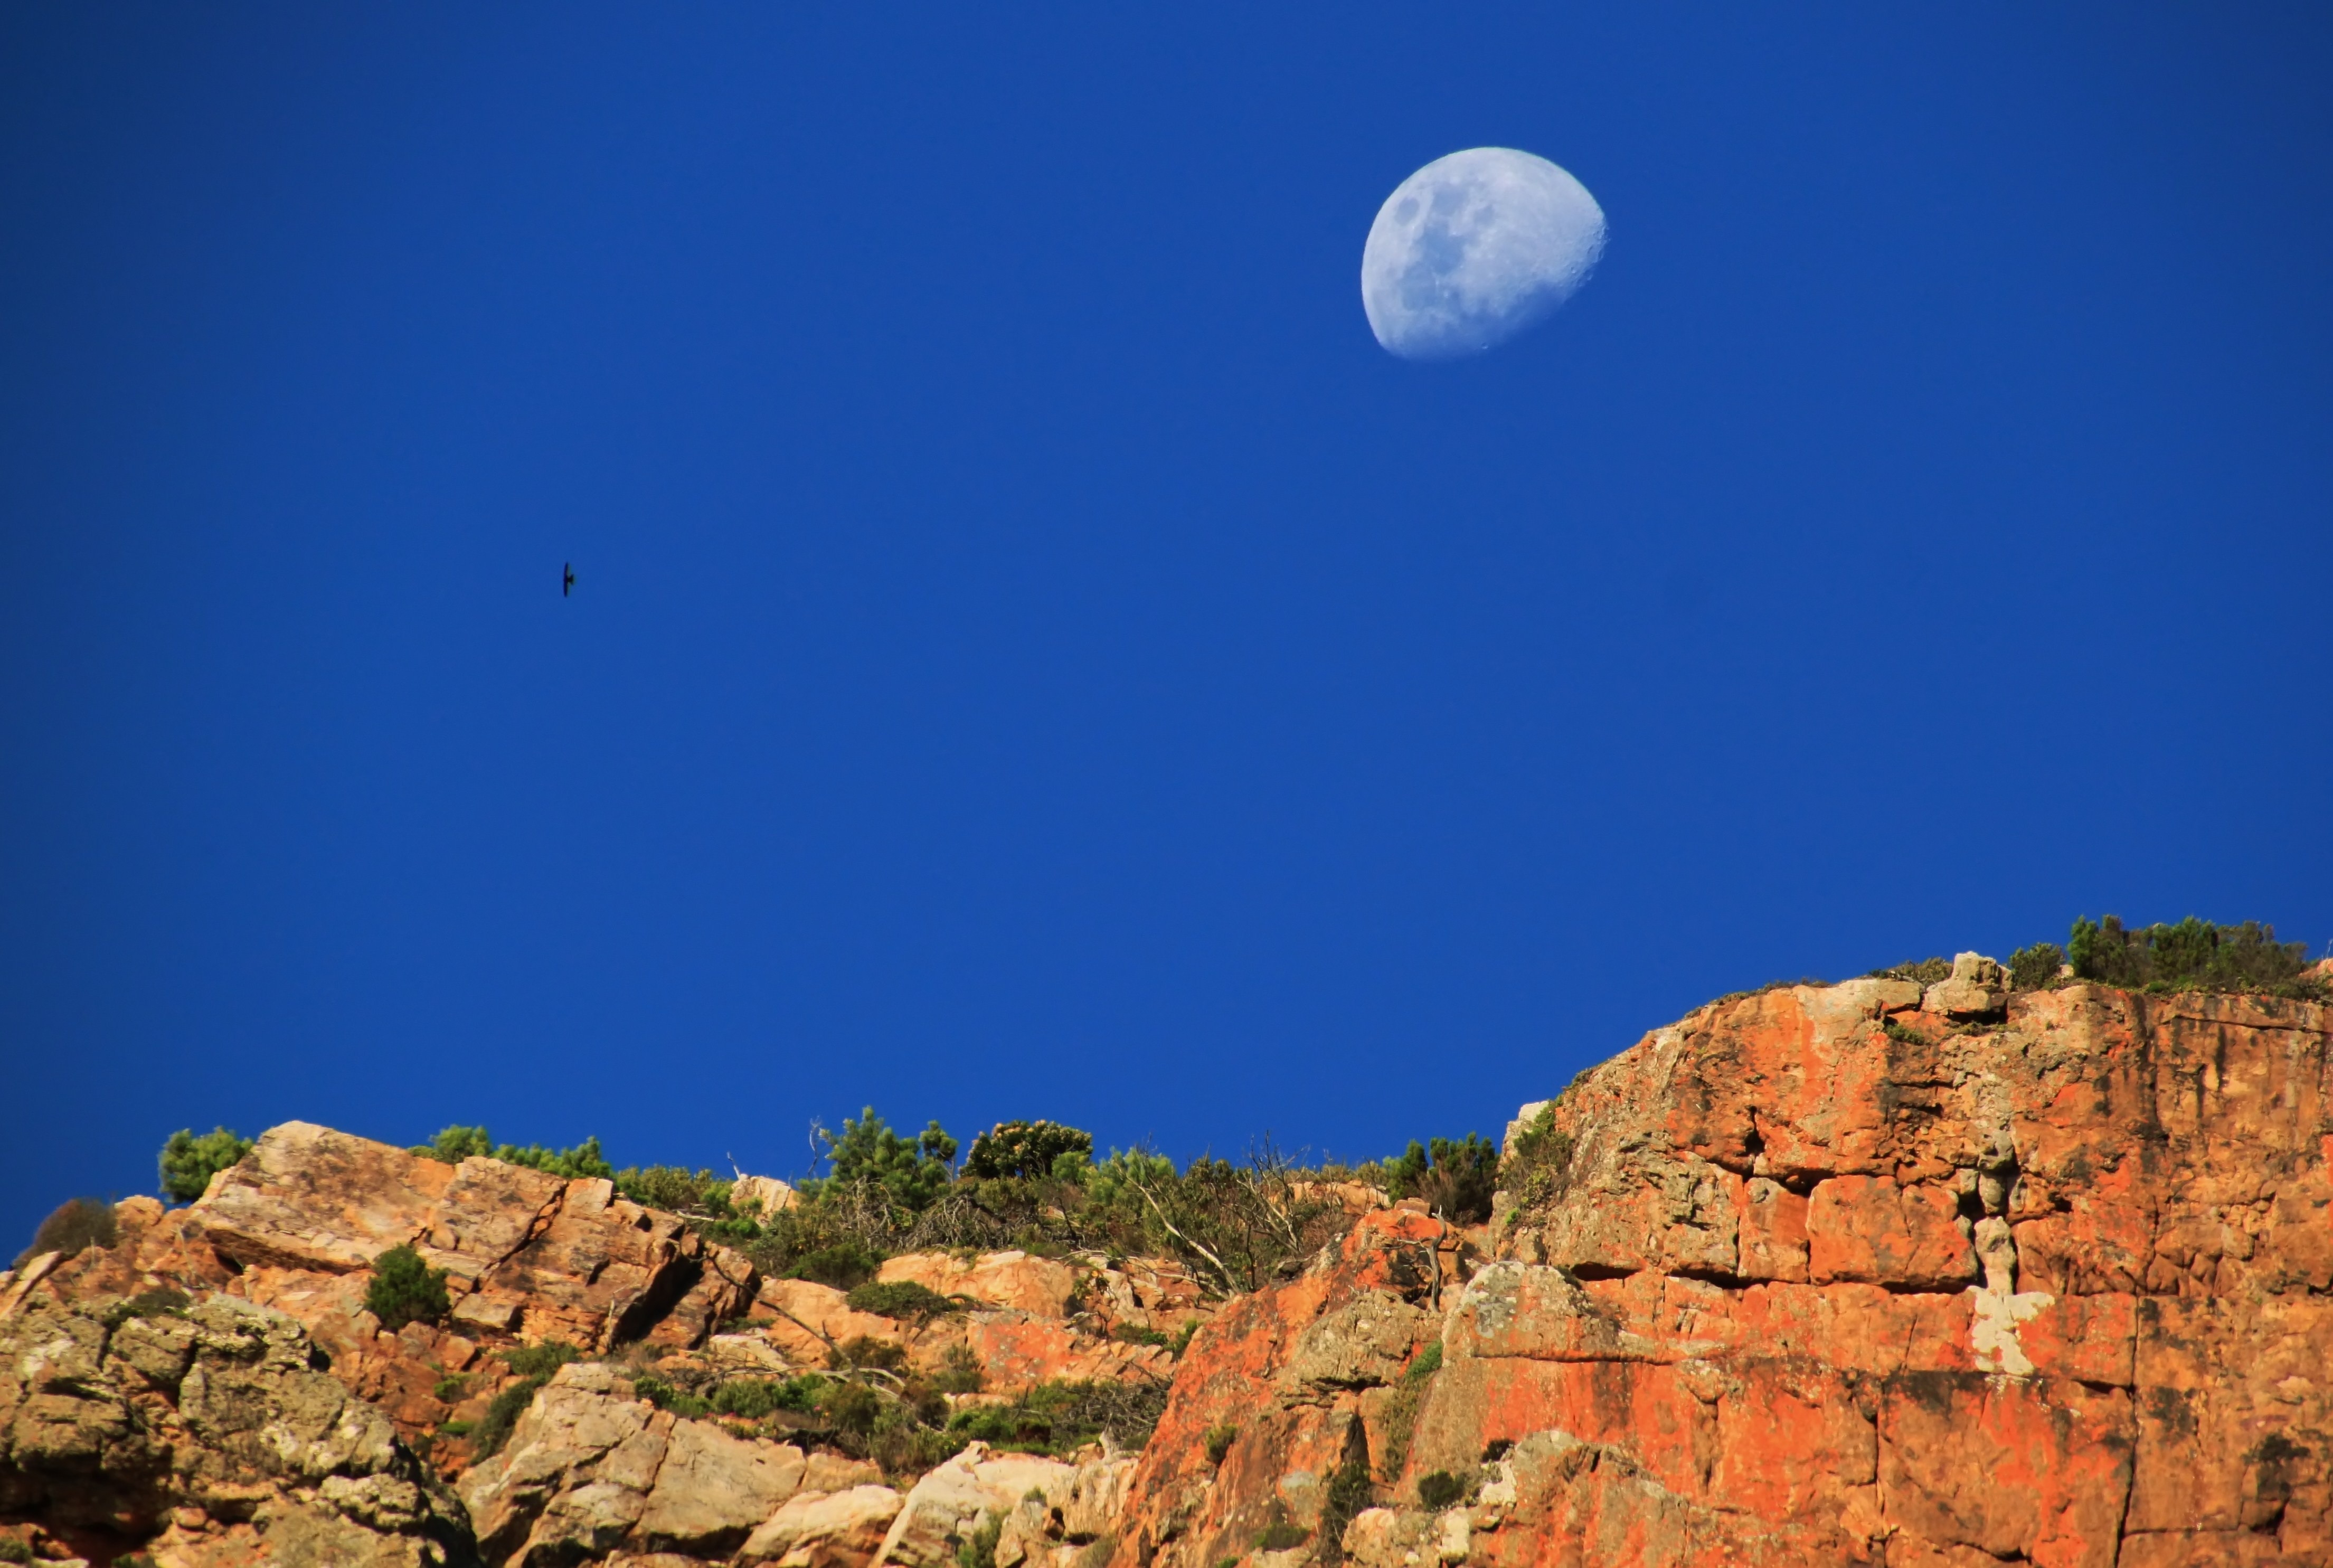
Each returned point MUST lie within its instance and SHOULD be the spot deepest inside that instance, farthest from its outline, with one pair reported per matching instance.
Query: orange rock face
(1820, 1276)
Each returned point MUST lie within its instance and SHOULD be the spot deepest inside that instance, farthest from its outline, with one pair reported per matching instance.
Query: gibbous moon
(1474, 248)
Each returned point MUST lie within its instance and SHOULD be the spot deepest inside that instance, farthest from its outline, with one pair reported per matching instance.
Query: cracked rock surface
(1860, 1274)
(206, 1436)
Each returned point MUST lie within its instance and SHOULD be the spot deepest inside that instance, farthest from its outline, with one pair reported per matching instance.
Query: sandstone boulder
(589, 1471)
(1040, 1286)
(529, 1259)
(1038, 1503)
(1978, 985)
(763, 1195)
(825, 1529)
(205, 1436)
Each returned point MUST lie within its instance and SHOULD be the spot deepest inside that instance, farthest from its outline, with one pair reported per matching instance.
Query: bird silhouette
(567, 585)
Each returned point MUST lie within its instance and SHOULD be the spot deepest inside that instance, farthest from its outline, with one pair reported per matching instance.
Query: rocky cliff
(1875, 1273)
(1862, 1273)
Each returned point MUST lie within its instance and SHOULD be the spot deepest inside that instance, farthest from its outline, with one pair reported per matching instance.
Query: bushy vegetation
(2192, 956)
(1541, 1166)
(454, 1144)
(1234, 1225)
(1455, 1177)
(72, 1225)
(405, 1290)
(1028, 1149)
(2037, 967)
(1033, 1185)
(535, 1365)
(910, 1173)
(978, 1550)
(902, 1299)
(1057, 1418)
(187, 1163)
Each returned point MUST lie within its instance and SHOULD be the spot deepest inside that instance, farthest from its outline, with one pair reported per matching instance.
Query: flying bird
(567, 585)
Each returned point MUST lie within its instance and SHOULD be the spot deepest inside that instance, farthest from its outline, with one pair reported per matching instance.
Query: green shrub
(676, 1189)
(1439, 1490)
(74, 1225)
(1134, 1335)
(902, 1299)
(15, 1551)
(539, 1361)
(1218, 1442)
(911, 1173)
(1058, 1417)
(494, 1429)
(864, 1350)
(1455, 1177)
(405, 1290)
(978, 1550)
(1182, 1340)
(664, 1396)
(2035, 968)
(844, 1266)
(454, 1144)
(1281, 1537)
(187, 1163)
(960, 1371)
(2192, 956)
(451, 1391)
(755, 1398)
(852, 1406)
(1427, 1363)
(1541, 1167)
(1027, 1149)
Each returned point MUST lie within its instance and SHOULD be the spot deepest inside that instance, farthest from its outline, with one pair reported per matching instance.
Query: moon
(1473, 248)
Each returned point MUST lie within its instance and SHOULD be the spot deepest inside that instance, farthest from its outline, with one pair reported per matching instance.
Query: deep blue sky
(1033, 654)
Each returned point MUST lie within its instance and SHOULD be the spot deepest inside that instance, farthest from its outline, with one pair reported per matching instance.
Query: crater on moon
(1474, 248)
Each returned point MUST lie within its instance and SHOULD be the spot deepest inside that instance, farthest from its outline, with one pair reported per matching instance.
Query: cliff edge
(1868, 1274)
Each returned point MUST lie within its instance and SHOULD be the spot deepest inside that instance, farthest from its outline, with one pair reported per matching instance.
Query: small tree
(2035, 968)
(187, 1162)
(911, 1172)
(405, 1290)
(1456, 1176)
(2193, 955)
(1026, 1149)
